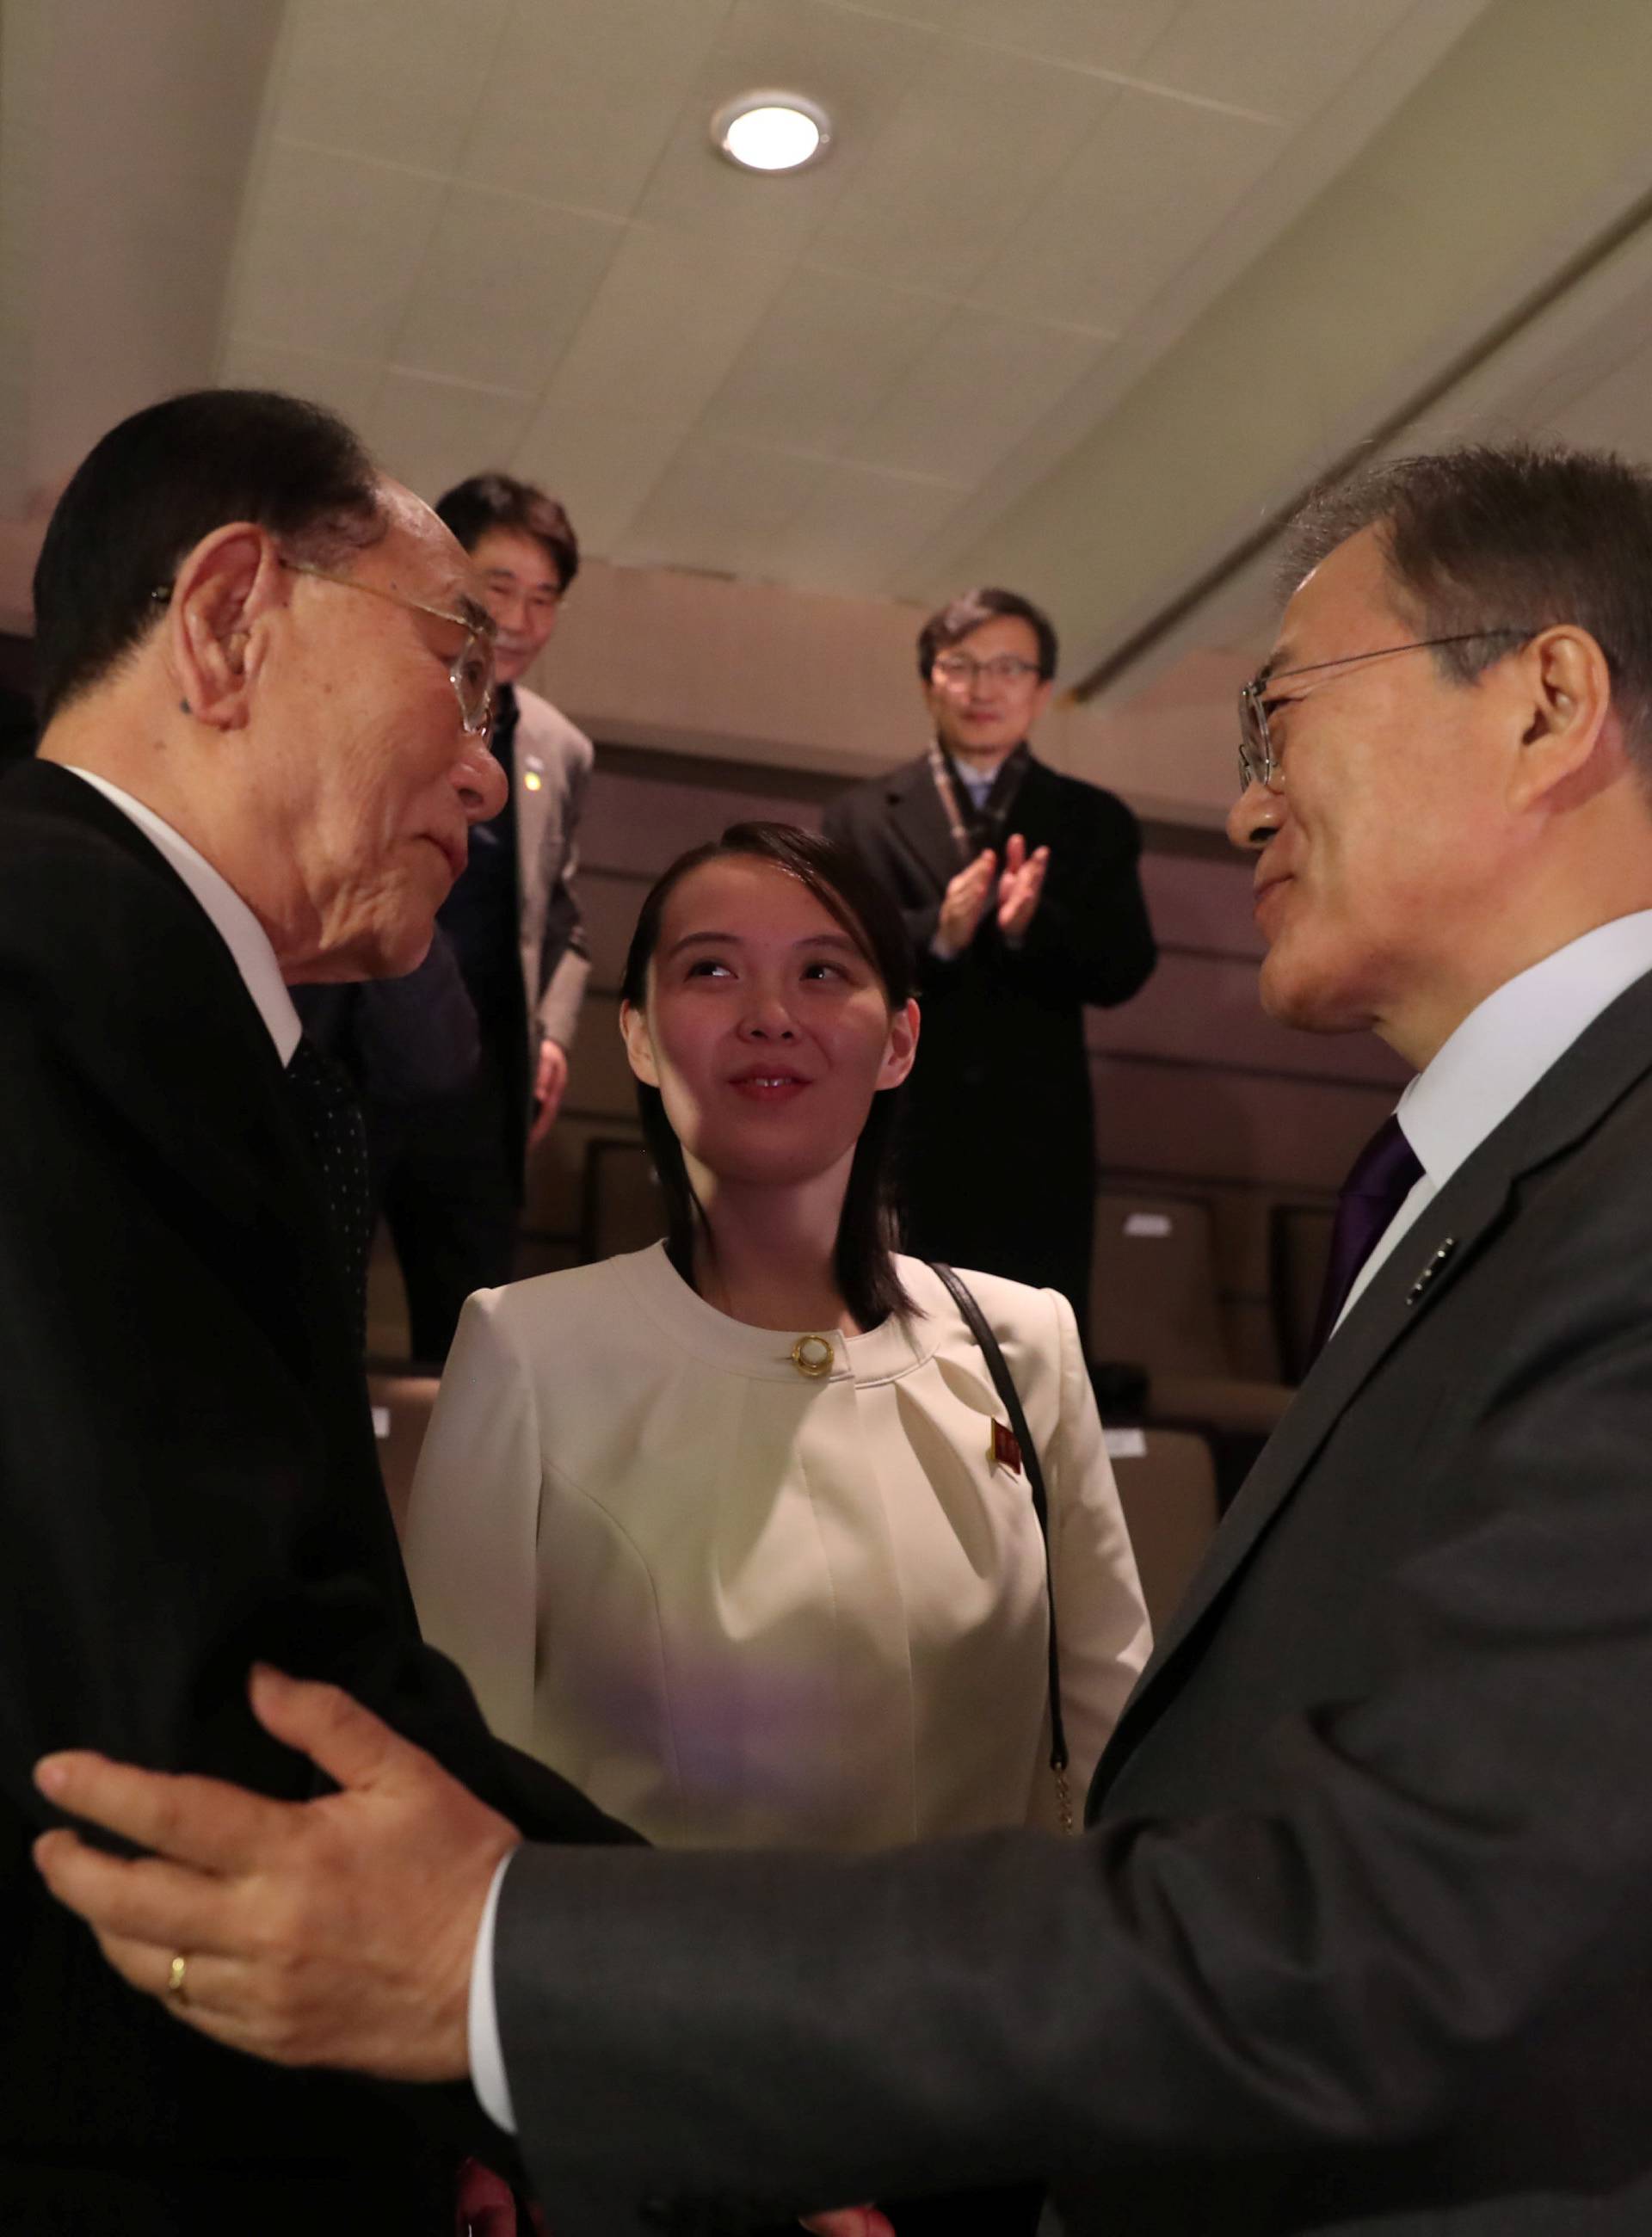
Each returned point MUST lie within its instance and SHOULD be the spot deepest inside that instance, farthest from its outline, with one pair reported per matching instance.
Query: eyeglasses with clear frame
(1258, 762)
(958, 669)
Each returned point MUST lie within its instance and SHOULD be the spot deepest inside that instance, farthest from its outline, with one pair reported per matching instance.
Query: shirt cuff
(488, 2076)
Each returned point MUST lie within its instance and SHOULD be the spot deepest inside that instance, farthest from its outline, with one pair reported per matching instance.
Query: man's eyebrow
(524, 582)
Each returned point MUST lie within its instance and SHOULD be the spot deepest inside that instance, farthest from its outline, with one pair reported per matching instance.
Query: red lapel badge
(1003, 1451)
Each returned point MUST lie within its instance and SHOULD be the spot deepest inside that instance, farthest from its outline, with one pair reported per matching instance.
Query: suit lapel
(1607, 1061)
(918, 824)
(139, 966)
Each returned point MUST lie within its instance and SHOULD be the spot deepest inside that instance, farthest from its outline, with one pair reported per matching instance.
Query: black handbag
(1004, 1383)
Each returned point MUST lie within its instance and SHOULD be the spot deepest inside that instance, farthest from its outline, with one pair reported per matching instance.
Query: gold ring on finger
(176, 1991)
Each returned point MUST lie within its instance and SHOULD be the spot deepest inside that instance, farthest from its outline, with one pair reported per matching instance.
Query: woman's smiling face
(766, 1028)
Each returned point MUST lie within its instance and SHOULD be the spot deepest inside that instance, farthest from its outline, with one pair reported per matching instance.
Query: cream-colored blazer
(741, 1607)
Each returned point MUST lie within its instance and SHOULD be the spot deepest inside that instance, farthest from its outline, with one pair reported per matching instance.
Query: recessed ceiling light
(771, 131)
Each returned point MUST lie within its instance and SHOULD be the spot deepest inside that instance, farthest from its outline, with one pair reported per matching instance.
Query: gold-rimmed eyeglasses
(1258, 762)
(470, 672)
(471, 669)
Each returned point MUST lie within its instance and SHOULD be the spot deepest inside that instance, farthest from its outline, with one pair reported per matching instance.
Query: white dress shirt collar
(1495, 1058)
(235, 923)
(1502, 1049)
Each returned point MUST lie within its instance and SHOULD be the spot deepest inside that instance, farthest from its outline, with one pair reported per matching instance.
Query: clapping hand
(1020, 886)
(966, 898)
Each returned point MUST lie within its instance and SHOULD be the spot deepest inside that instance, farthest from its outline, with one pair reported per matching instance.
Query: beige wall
(793, 679)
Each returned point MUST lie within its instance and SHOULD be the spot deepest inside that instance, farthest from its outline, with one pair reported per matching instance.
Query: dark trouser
(451, 1190)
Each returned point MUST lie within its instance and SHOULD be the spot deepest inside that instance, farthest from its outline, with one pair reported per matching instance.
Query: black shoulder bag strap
(1004, 1383)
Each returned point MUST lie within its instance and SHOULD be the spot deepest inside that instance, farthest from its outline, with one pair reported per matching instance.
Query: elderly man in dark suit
(1359, 1938)
(265, 676)
(1021, 891)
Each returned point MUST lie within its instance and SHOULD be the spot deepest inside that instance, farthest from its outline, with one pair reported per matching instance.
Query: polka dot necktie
(331, 1117)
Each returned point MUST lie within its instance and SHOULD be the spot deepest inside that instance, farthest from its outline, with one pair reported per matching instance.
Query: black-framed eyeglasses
(1258, 763)
(471, 669)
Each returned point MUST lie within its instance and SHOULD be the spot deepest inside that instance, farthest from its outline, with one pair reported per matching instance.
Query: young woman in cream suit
(714, 1528)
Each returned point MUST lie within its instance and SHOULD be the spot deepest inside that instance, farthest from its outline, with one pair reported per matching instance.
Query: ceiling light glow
(771, 131)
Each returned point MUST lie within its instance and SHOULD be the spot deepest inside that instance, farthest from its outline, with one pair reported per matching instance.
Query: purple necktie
(1383, 1176)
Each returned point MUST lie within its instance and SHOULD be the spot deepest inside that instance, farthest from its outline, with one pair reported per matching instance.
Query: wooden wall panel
(599, 1078)
(1201, 1009)
(1200, 901)
(1215, 1126)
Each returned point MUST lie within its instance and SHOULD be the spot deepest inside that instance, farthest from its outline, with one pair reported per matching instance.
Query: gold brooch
(813, 1355)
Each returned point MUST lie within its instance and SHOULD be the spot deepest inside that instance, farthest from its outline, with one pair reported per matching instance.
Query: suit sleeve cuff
(488, 2077)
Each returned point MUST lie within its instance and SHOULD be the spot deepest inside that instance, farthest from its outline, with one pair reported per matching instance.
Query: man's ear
(1565, 702)
(902, 1048)
(640, 1048)
(230, 579)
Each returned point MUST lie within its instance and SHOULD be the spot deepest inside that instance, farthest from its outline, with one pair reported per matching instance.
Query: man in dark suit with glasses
(1020, 890)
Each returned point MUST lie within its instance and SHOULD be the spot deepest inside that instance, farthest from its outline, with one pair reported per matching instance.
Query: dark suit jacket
(189, 1478)
(1360, 1937)
(1000, 1171)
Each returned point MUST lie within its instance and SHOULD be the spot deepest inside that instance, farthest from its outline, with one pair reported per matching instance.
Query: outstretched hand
(337, 1932)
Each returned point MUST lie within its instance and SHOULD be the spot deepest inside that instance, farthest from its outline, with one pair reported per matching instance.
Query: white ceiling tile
(937, 15)
(982, 385)
(504, 288)
(347, 385)
(432, 433)
(722, 505)
(1611, 412)
(1283, 57)
(857, 527)
(583, 94)
(856, 65)
(399, 79)
(823, 358)
(1153, 185)
(1108, 35)
(601, 465)
(668, 322)
(973, 144)
(331, 249)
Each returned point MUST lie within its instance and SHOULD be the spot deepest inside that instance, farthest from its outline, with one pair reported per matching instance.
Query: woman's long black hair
(868, 1232)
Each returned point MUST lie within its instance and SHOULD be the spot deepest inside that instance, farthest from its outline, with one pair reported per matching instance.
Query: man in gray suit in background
(1360, 1936)
(453, 1191)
